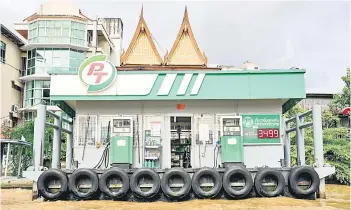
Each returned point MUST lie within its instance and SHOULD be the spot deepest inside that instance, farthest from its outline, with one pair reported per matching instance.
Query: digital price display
(267, 133)
(261, 128)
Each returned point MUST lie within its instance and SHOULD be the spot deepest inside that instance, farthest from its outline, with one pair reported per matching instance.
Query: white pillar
(300, 143)
(318, 145)
(287, 147)
(39, 137)
(7, 158)
(56, 147)
(69, 148)
(95, 38)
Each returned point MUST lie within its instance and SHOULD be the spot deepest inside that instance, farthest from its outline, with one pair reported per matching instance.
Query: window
(64, 123)
(23, 66)
(103, 128)
(37, 92)
(90, 37)
(57, 32)
(29, 116)
(41, 60)
(87, 130)
(2, 51)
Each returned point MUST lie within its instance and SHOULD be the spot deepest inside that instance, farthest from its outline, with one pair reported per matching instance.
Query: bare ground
(338, 197)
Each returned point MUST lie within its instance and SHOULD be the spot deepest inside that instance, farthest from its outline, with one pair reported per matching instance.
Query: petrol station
(164, 117)
(173, 135)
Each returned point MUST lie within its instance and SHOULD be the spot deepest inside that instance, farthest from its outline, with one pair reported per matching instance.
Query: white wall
(104, 45)
(62, 7)
(253, 155)
(9, 96)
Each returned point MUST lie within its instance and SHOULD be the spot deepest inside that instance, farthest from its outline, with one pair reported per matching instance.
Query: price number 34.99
(268, 133)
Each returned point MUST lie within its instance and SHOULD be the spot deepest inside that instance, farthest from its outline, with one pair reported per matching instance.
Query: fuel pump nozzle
(215, 157)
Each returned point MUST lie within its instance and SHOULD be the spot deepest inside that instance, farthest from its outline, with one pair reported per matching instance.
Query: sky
(313, 35)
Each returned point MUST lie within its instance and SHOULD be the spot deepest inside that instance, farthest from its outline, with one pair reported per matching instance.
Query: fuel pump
(121, 154)
(231, 141)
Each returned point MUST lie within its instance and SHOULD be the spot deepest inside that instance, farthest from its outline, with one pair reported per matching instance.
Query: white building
(11, 65)
(59, 37)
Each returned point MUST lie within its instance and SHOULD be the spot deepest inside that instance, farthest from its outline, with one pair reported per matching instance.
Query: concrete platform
(14, 182)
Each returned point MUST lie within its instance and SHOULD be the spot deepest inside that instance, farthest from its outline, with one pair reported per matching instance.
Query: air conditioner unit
(8, 123)
(15, 108)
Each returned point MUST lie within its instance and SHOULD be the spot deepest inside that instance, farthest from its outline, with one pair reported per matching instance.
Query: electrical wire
(86, 136)
(13, 67)
(104, 158)
(214, 157)
(159, 46)
(217, 156)
(105, 154)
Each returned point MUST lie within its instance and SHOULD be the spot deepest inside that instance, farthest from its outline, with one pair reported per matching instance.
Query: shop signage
(97, 73)
(261, 128)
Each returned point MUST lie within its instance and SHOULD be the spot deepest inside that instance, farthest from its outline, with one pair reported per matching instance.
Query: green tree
(27, 131)
(337, 153)
(342, 100)
(335, 140)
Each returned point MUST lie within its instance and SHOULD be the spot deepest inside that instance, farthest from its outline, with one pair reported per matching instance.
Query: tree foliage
(336, 143)
(27, 131)
(336, 140)
(342, 100)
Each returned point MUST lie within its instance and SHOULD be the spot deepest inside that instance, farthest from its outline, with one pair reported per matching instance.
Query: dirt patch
(338, 197)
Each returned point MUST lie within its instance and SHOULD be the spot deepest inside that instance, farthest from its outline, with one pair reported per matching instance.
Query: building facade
(311, 99)
(58, 38)
(142, 102)
(12, 65)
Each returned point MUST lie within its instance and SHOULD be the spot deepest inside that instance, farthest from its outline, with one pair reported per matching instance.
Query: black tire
(268, 172)
(76, 176)
(110, 173)
(206, 172)
(43, 181)
(303, 172)
(237, 172)
(134, 182)
(167, 189)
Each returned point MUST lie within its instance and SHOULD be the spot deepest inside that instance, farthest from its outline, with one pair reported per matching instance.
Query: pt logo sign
(97, 73)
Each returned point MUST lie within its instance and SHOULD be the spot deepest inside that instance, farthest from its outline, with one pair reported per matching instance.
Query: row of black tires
(71, 184)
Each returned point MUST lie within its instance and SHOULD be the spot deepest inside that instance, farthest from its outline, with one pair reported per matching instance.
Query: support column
(7, 158)
(287, 147)
(39, 137)
(20, 161)
(56, 147)
(95, 36)
(318, 145)
(300, 142)
(69, 148)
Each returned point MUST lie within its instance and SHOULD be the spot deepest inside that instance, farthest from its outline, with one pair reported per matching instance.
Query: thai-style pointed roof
(141, 50)
(185, 50)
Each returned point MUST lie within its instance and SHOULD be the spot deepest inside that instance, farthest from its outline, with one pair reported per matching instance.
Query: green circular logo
(97, 73)
(248, 122)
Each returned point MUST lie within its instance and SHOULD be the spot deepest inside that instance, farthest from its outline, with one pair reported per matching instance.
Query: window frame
(33, 90)
(78, 126)
(32, 61)
(77, 31)
(2, 52)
